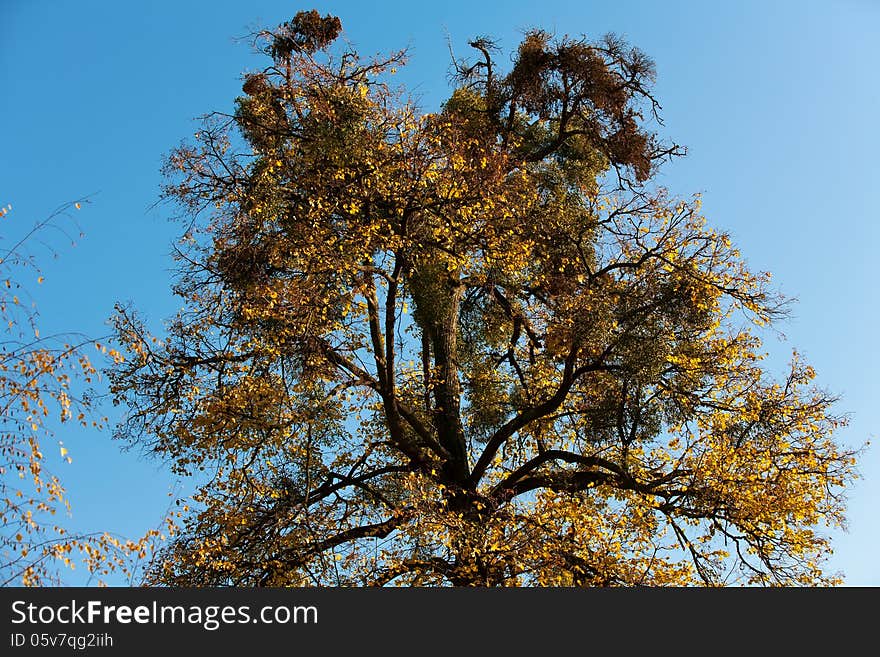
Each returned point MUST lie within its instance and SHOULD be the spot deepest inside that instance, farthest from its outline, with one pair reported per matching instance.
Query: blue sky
(776, 102)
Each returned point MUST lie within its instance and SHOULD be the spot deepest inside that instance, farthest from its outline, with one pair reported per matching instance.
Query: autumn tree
(41, 386)
(472, 347)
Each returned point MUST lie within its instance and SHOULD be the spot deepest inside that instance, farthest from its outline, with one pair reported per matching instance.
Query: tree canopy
(479, 346)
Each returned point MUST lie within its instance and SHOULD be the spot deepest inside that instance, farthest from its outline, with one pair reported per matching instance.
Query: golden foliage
(36, 390)
(456, 348)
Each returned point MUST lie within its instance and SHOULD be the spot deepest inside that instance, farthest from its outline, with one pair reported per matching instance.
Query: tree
(37, 381)
(472, 347)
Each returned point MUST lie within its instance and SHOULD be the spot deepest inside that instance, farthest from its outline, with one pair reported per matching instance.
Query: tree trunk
(437, 296)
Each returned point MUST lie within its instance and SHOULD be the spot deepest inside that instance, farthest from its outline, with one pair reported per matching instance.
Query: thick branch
(554, 455)
(375, 530)
(395, 426)
(525, 417)
(376, 334)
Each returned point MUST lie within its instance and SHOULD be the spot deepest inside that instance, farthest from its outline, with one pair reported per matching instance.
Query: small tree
(37, 381)
(474, 347)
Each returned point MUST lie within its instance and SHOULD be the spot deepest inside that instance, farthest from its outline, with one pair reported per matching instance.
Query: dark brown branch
(435, 564)
(376, 530)
(525, 417)
(566, 481)
(376, 334)
(554, 455)
(344, 481)
(390, 320)
(403, 411)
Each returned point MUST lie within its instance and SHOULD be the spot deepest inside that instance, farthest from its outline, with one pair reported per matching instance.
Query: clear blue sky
(777, 103)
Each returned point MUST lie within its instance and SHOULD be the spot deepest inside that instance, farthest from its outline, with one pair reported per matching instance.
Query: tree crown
(471, 347)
